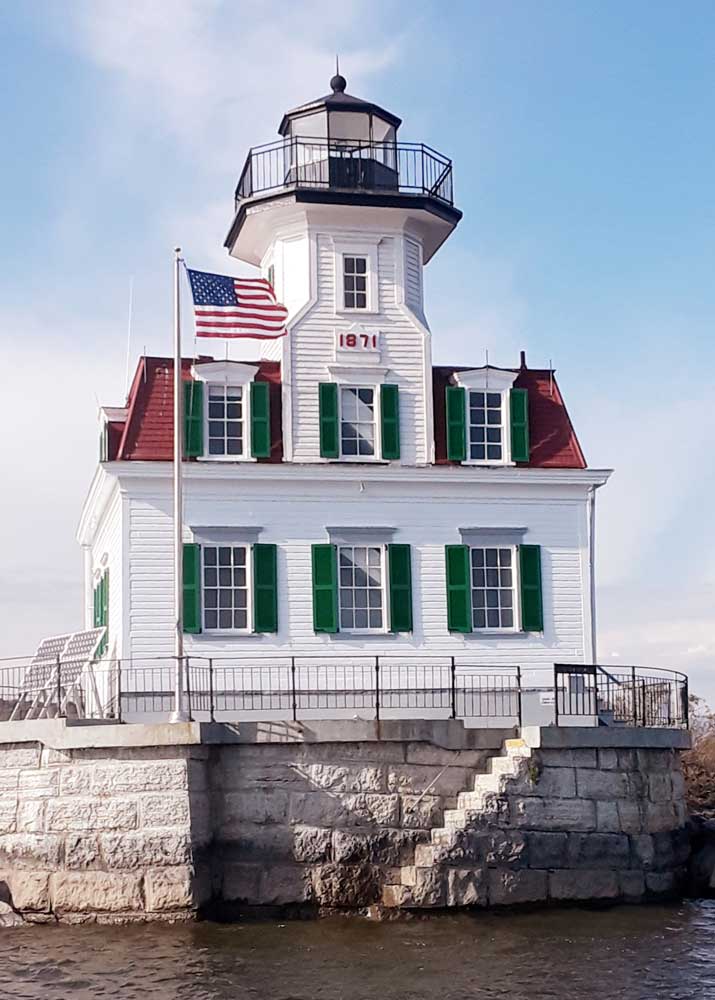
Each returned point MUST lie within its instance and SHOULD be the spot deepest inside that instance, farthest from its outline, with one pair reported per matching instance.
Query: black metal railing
(346, 165)
(291, 687)
(622, 696)
(235, 688)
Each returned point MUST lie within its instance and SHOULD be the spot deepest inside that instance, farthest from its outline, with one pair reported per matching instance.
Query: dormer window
(354, 282)
(487, 419)
(226, 413)
(225, 420)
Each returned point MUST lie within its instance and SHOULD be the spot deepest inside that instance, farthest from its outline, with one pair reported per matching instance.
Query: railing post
(212, 713)
(292, 689)
(633, 696)
(187, 671)
(518, 695)
(453, 678)
(377, 688)
(59, 686)
(595, 693)
(119, 690)
(556, 694)
(685, 695)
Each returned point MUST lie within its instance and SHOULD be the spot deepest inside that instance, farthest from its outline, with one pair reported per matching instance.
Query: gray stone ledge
(450, 734)
(566, 737)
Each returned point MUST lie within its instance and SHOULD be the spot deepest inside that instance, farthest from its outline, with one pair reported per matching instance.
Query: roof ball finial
(338, 82)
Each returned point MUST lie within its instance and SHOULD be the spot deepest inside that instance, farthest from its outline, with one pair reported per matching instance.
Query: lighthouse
(350, 508)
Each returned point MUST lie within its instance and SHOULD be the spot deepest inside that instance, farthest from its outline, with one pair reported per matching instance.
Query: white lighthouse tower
(341, 216)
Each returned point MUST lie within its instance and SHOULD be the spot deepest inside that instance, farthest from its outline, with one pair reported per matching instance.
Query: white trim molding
(358, 246)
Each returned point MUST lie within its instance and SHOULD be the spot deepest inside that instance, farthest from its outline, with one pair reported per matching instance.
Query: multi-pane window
(361, 588)
(225, 587)
(493, 588)
(486, 443)
(225, 420)
(357, 421)
(355, 282)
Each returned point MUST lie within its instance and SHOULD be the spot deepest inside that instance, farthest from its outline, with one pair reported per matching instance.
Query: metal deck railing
(303, 687)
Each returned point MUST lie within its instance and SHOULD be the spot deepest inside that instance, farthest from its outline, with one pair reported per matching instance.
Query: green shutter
(95, 597)
(456, 423)
(104, 611)
(325, 588)
(192, 588)
(193, 419)
(399, 566)
(532, 605)
(390, 421)
(265, 589)
(519, 410)
(329, 429)
(459, 591)
(260, 421)
(104, 444)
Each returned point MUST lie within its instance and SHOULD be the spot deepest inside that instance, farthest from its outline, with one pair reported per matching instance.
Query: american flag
(236, 307)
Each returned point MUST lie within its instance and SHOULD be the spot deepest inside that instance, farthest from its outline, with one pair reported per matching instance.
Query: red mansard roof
(147, 434)
(553, 441)
(149, 430)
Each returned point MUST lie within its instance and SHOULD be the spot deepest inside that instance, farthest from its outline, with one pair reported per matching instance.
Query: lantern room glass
(342, 149)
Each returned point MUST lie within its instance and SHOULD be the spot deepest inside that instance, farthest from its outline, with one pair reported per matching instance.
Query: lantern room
(342, 151)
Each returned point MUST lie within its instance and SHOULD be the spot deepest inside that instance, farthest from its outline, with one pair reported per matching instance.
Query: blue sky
(581, 135)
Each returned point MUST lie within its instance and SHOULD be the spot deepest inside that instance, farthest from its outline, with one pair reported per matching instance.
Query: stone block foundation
(119, 823)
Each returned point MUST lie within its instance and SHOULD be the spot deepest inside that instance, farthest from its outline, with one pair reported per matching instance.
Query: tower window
(354, 282)
(357, 421)
(486, 442)
(225, 420)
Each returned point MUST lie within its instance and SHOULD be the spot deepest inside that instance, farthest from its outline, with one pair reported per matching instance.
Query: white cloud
(217, 75)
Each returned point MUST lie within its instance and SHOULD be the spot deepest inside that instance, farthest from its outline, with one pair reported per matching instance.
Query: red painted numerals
(358, 341)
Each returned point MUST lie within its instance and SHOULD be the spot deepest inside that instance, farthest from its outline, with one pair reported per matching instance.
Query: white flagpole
(179, 714)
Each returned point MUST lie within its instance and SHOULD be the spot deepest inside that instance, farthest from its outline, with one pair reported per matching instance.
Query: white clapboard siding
(404, 352)
(106, 553)
(427, 517)
(413, 277)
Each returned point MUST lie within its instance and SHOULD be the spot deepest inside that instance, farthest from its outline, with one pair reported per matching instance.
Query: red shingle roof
(149, 431)
(147, 434)
(553, 441)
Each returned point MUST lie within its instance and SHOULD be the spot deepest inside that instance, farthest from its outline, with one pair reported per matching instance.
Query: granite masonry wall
(221, 822)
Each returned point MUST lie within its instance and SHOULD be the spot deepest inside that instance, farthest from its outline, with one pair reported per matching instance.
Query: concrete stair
(418, 885)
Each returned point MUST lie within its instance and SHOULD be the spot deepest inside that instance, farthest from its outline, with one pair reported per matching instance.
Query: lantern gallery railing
(346, 165)
(300, 688)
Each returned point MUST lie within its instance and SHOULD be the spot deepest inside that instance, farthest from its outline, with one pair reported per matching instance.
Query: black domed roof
(338, 100)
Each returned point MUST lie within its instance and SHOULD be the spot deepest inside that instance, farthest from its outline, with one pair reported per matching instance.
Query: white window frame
(515, 588)
(249, 588)
(356, 274)
(366, 544)
(496, 380)
(233, 374)
(377, 422)
(358, 248)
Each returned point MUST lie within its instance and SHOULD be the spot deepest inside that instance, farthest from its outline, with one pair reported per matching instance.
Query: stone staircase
(450, 870)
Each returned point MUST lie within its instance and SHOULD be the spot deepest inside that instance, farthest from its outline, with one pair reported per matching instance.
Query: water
(635, 953)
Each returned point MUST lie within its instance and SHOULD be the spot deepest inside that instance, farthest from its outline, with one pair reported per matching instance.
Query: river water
(634, 953)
